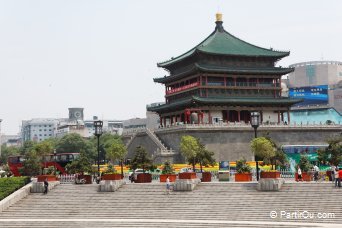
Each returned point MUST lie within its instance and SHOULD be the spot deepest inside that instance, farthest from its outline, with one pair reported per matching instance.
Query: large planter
(190, 175)
(206, 177)
(113, 176)
(241, 177)
(305, 176)
(172, 177)
(88, 178)
(144, 178)
(41, 178)
(270, 175)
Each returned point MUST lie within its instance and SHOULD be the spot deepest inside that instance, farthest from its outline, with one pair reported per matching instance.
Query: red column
(165, 121)
(209, 117)
(227, 116)
(278, 117)
(238, 115)
(261, 117)
(161, 121)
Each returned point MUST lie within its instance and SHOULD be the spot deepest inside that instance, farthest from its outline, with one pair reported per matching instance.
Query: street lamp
(98, 132)
(255, 124)
(54, 159)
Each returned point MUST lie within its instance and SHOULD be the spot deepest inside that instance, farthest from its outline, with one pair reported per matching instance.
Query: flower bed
(305, 176)
(190, 175)
(112, 176)
(241, 177)
(144, 178)
(41, 178)
(10, 185)
(271, 174)
(206, 177)
(172, 177)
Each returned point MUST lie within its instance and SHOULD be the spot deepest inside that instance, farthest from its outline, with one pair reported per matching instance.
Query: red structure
(59, 162)
(223, 79)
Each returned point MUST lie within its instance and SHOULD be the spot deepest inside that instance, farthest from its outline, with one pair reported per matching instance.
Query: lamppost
(98, 132)
(255, 124)
(54, 159)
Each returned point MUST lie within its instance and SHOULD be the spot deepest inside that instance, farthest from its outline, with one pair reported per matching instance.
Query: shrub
(10, 185)
(242, 166)
(167, 169)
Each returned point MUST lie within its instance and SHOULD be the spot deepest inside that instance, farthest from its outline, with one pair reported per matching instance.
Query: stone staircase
(146, 205)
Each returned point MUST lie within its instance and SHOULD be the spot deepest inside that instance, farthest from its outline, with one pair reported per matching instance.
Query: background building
(320, 84)
(38, 129)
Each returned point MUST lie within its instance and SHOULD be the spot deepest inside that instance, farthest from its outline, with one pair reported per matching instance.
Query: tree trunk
(193, 165)
(122, 175)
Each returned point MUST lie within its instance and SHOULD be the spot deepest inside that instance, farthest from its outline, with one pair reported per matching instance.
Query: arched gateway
(223, 79)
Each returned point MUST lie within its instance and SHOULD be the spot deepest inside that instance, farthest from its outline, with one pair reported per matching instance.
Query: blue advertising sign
(224, 165)
(312, 95)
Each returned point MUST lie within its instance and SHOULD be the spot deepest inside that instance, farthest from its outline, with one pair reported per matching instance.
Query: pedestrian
(339, 177)
(336, 177)
(300, 178)
(46, 186)
(167, 185)
(316, 170)
(333, 170)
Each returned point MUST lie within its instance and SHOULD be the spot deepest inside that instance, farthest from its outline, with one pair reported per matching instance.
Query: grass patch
(11, 184)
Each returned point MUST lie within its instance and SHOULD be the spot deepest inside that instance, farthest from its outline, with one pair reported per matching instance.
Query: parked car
(136, 172)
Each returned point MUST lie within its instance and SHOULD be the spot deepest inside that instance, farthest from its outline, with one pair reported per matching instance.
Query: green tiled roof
(221, 69)
(220, 42)
(195, 101)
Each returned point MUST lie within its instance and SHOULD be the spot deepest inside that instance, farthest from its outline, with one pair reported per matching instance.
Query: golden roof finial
(218, 16)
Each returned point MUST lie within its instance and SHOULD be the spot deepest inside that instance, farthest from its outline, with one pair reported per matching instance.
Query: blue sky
(102, 55)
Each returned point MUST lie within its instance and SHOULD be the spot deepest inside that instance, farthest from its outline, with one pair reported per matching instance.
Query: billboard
(312, 95)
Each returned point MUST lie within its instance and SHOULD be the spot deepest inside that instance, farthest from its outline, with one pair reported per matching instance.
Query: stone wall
(233, 143)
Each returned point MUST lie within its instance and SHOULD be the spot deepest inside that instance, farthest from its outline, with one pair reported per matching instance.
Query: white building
(38, 129)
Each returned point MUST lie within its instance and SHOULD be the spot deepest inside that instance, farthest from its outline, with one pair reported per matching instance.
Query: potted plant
(111, 174)
(141, 160)
(265, 149)
(243, 171)
(167, 171)
(305, 166)
(81, 167)
(48, 173)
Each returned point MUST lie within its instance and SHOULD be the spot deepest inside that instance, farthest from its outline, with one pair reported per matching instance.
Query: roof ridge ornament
(219, 22)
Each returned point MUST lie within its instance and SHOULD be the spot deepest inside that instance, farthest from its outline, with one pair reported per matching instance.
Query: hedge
(11, 184)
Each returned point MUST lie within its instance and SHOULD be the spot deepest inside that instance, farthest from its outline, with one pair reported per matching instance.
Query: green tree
(204, 156)
(242, 166)
(333, 153)
(42, 149)
(31, 165)
(27, 147)
(81, 165)
(74, 143)
(141, 159)
(167, 168)
(304, 163)
(189, 148)
(263, 149)
(7, 151)
(117, 151)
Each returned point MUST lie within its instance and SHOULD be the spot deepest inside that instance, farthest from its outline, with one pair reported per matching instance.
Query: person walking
(167, 185)
(333, 171)
(339, 177)
(46, 186)
(316, 170)
(336, 177)
(299, 171)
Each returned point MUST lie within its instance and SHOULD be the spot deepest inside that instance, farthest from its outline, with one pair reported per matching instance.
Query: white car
(136, 172)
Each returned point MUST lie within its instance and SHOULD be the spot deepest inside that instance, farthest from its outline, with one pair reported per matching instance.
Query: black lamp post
(255, 124)
(54, 159)
(98, 132)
